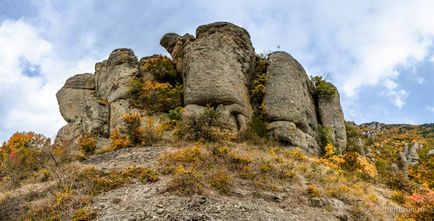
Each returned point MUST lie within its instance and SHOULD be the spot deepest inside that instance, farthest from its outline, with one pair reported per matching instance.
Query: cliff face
(217, 67)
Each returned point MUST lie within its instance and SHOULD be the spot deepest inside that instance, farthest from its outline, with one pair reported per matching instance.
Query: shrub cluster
(22, 155)
(162, 69)
(257, 86)
(354, 162)
(197, 167)
(155, 96)
(323, 87)
(133, 133)
(206, 126)
(161, 94)
(421, 205)
(325, 135)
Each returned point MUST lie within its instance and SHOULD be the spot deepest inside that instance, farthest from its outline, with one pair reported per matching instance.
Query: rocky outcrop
(93, 103)
(331, 116)
(289, 98)
(81, 109)
(216, 67)
(410, 153)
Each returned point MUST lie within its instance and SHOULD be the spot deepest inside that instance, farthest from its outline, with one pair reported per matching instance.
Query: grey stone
(430, 153)
(332, 116)
(81, 81)
(410, 153)
(72, 102)
(288, 132)
(113, 76)
(216, 68)
(288, 95)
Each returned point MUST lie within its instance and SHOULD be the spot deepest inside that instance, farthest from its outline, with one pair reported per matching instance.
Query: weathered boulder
(288, 95)
(216, 68)
(81, 81)
(81, 109)
(289, 102)
(430, 153)
(72, 102)
(402, 163)
(410, 153)
(113, 76)
(288, 132)
(331, 115)
(175, 44)
(112, 82)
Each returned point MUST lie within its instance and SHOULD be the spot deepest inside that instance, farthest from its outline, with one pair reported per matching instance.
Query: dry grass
(223, 167)
(70, 197)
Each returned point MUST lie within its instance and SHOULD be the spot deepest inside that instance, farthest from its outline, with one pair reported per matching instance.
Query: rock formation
(410, 153)
(217, 67)
(289, 101)
(332, 116)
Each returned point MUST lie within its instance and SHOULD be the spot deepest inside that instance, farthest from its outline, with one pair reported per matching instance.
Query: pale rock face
(72, 102)
(94, 104)
(113, 75)
(288, 132)
(410, 153)
(288, 98)
(332, 116)
(288, 95)
(430, 153)
(216, 68)
(81, 109)
(81, 81)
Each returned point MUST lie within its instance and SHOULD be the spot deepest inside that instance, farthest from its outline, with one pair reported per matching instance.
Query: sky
(379, 54)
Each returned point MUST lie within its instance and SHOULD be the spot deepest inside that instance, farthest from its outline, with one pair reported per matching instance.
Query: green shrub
(257, 85)
(175, 114)
(257, 131)
(162, 69)
(325, 135)
(155, 96)
(206, 125)
(323, 87)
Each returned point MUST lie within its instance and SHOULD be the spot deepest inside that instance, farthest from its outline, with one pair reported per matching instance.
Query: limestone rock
(169, 40)
(113, 76)
(430, 153)
(81, 81)
(332, 116)
(216, 67)
(72, 102)
(410, 153)
(117, 109)
(288, 132)
(288, 95)
(403, 163)
(289, 102)
(83, 111)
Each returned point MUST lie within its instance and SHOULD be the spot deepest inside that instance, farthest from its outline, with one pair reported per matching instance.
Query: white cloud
(390, 85)
(430, 108)
(420, 80)
(28, 102)
(397, 97)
